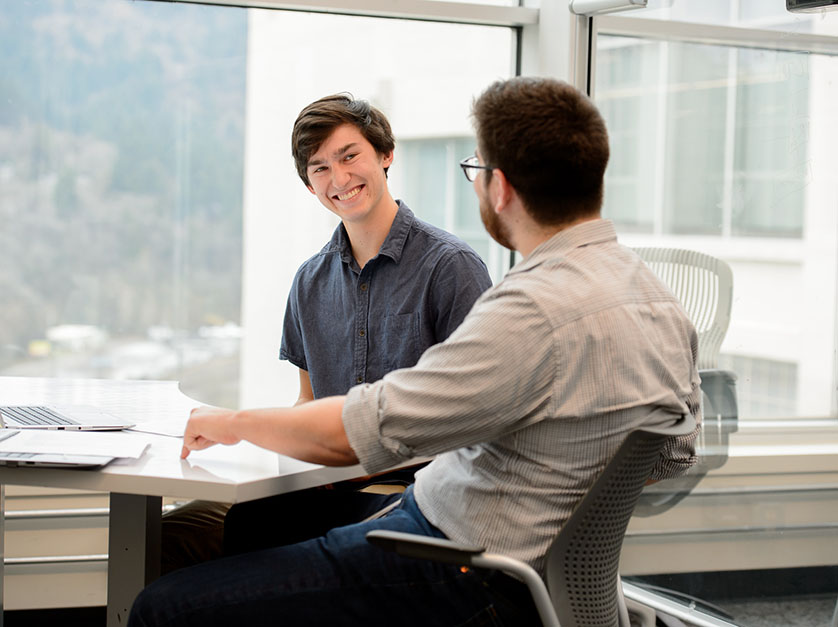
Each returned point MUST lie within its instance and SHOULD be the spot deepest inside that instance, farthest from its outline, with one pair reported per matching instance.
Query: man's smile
(350, 194)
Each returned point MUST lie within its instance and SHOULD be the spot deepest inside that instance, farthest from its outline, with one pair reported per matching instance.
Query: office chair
(704, 286)
(582, 586)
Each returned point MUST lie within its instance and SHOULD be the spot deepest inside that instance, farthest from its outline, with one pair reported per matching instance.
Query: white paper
(111, 443)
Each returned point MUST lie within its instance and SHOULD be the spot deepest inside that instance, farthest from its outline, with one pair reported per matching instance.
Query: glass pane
(143, 142)
(765, 388)
(730, 151)
(627, 76)
(426, 92)
(740, 112)
(121, 168)
(721, 143)
(695, 117)
(771, 167)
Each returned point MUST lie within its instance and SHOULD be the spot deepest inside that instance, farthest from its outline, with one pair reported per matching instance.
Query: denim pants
(337, 579)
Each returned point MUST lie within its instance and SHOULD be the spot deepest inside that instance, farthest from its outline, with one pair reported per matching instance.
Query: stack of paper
(110, 443)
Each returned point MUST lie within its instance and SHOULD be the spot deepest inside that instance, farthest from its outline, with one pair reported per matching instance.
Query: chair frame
(581, 586)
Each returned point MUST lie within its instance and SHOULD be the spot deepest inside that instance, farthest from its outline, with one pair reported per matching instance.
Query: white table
(229, 474)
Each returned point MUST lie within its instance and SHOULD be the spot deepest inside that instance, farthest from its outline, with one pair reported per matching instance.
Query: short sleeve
(291, 347)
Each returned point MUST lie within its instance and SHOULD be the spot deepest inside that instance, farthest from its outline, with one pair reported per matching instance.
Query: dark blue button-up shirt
(345, 325)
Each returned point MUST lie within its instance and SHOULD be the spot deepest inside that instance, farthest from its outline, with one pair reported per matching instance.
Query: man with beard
(522, 406)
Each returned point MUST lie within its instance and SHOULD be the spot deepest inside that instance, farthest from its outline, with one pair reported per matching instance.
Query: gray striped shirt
(528, 399)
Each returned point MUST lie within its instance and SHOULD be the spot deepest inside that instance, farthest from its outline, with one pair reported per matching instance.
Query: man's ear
(387, 160)
(311, 189)
(503, 191)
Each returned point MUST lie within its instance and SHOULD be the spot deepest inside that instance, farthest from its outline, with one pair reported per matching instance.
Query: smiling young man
(522, 406)
(347, 176)
(383, 289)
(387, 285)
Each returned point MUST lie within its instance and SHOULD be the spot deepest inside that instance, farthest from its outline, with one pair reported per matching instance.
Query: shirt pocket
(401, 341)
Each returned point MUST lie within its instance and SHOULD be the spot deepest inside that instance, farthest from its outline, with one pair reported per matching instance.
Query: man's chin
(496, 230)
(500, 239)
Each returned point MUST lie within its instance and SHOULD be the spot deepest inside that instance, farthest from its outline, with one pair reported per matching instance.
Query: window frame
(424, 10)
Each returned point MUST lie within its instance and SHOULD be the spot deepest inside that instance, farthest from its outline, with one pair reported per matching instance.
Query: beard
(491, 221)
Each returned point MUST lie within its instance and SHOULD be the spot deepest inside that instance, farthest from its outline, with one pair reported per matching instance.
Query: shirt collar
(394, 242)
(397, 237)
(584, 234)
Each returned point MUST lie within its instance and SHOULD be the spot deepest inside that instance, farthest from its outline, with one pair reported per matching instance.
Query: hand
(207, 427)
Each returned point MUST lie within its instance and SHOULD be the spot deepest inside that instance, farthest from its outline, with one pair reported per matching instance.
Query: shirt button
(363, 287)
(359, 380)
(362, 333)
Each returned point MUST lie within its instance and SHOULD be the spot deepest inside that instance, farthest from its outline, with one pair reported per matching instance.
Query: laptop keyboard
(34, 416)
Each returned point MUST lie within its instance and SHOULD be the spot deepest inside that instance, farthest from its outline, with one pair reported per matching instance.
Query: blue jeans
(337, 579)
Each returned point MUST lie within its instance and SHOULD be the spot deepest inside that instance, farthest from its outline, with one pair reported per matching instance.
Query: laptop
(15, 459)
(53, 460)
(70, 417)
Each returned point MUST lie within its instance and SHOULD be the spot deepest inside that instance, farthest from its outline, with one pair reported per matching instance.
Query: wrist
(237, 423)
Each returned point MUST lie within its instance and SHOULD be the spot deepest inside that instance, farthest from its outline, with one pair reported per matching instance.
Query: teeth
(351, 193)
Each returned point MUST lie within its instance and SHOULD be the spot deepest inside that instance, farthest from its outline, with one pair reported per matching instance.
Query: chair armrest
(719, 388)
(450, 552)
(424, 547)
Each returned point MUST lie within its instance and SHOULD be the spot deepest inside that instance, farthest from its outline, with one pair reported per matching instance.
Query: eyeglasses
(470, 165)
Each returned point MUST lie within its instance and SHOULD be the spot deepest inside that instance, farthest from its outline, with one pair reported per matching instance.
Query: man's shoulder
(323, 260)
(589, 280)
(427, 237)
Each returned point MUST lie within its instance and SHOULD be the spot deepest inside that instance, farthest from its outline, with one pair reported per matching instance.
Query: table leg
(2, 548)
(133, 551)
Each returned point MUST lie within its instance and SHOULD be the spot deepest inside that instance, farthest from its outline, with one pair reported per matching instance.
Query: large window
(727, 148)
(152, 217)
(724, 130)
(708, 140)
(121, 166)
(421, 78)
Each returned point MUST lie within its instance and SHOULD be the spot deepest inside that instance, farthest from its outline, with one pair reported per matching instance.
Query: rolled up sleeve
(361, 421)
(678, 454)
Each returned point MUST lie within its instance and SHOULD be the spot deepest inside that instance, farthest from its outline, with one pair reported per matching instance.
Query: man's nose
(340, 175)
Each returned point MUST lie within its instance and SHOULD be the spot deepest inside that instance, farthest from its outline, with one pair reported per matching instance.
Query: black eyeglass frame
(470, 163)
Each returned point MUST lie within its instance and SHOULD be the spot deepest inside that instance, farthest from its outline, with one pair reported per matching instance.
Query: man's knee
(191, 534)
(140, 615)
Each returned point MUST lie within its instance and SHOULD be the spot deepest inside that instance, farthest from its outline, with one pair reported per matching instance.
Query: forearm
(306, 394)
(312, 432)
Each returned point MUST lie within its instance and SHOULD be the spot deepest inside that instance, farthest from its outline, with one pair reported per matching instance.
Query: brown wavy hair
(318, 120)
(549, 140)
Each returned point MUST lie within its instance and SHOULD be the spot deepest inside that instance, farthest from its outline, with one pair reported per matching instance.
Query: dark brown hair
(318, 120)
(550, 142)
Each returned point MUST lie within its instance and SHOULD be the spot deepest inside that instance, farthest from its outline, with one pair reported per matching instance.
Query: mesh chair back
(583, 562)
(704, 285)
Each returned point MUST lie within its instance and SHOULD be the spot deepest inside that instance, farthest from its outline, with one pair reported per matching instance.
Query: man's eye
(319, 169)
(350, 156)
